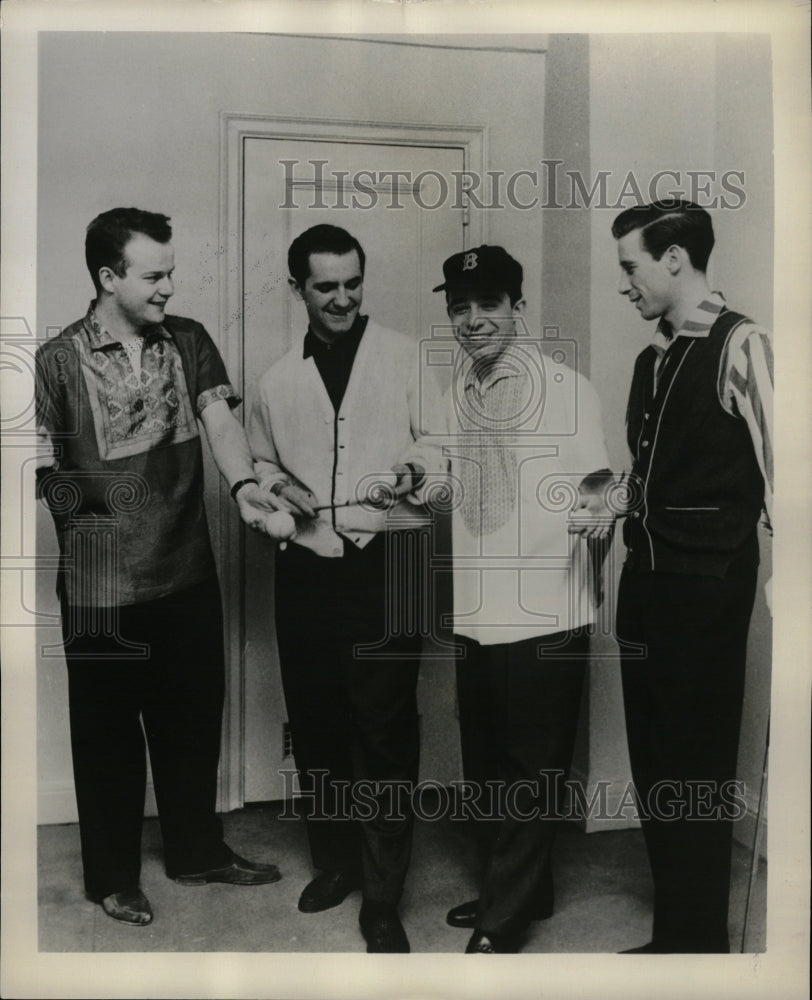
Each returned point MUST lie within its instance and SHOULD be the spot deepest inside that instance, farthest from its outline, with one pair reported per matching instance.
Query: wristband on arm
(239, 485)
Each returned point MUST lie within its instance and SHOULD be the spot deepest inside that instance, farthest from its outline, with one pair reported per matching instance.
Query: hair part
(671, 222)
(320, 239)
(109, 233)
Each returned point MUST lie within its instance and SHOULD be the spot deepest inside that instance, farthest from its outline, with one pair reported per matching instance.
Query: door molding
(235, 129)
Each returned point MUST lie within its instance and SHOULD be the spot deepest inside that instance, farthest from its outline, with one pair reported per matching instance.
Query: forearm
(229, 447)
(228, 443)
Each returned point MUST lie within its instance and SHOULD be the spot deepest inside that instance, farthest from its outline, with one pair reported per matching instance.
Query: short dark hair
(669, 222)
(320, 239)
(110, 232)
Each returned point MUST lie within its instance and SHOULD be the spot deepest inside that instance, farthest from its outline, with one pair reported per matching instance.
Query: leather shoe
(382, 930)
(480, 944)
(644, 949)
(130, 906)
(327, 890)
(465, 914)
(237, 872)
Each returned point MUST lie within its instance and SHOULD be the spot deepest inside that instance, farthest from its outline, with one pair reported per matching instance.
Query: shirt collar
(698, 323)
(509, 364)
(99, 337)
(313, 345)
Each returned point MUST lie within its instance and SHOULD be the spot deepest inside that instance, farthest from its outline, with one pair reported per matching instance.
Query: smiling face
(332, 293)
(648, 283)
(139, 297)
(484, 323)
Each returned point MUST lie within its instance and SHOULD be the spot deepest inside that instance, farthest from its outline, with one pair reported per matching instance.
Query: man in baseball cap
(519, 626)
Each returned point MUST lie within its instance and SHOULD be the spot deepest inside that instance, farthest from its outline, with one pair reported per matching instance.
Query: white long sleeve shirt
(389, 415)
(522, 440)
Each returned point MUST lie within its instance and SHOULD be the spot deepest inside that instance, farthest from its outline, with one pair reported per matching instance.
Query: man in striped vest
(699, 430)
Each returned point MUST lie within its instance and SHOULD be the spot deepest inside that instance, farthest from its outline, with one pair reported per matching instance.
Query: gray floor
(603, 896)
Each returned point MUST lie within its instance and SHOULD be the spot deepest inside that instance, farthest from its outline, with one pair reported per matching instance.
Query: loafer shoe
(130, 906)
(237, 872)
(327, 890)
(480, 944)
(465, 914)
(382, 930)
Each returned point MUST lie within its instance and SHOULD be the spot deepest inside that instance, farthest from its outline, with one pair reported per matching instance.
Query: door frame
(235, 129)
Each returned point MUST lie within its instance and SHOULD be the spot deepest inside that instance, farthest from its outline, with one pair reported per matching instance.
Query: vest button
(636, 514)
(646, 416)
(645, 444)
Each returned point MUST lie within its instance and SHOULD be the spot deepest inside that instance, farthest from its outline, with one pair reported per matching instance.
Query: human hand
(252, 500)
(296, 500)
(591, 517)
(408, 477)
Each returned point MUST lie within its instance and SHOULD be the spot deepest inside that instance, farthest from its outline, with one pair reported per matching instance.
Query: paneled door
(400, 201)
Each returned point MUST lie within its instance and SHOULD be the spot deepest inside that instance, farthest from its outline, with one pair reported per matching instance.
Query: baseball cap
(485, 268)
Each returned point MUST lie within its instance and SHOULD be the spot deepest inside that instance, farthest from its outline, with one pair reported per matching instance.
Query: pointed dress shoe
(465, 914)
(129, 906)
(382, 930)
(237, 872)
(327, 890)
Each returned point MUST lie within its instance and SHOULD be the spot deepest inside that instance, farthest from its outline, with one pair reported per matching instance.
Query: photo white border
(781, 972)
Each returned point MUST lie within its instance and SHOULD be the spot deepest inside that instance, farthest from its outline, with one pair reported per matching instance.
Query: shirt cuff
(209, 396)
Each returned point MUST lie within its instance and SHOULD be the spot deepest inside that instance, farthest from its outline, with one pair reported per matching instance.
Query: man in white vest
(336, 420)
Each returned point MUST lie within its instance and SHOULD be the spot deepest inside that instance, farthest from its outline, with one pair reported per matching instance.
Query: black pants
(177, 692)
(518, 718)
(353, 715)
(683, 713)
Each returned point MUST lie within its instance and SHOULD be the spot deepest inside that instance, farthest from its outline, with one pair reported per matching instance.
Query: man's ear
(107, 278)
(518, 307)
(676, 257)
(295, 288)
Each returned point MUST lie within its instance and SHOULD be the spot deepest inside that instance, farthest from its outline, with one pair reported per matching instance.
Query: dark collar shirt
(334, 361)
(126, 492)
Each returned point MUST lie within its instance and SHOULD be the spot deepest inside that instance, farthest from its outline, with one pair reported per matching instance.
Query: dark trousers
(683, 703)
(518, 718)
(353, 716)
(177, 692)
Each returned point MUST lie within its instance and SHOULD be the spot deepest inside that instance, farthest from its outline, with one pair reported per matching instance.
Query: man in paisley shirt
(119, 397)
(528, 466)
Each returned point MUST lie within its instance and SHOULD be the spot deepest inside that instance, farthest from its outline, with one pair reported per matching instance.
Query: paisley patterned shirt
(127, 491)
